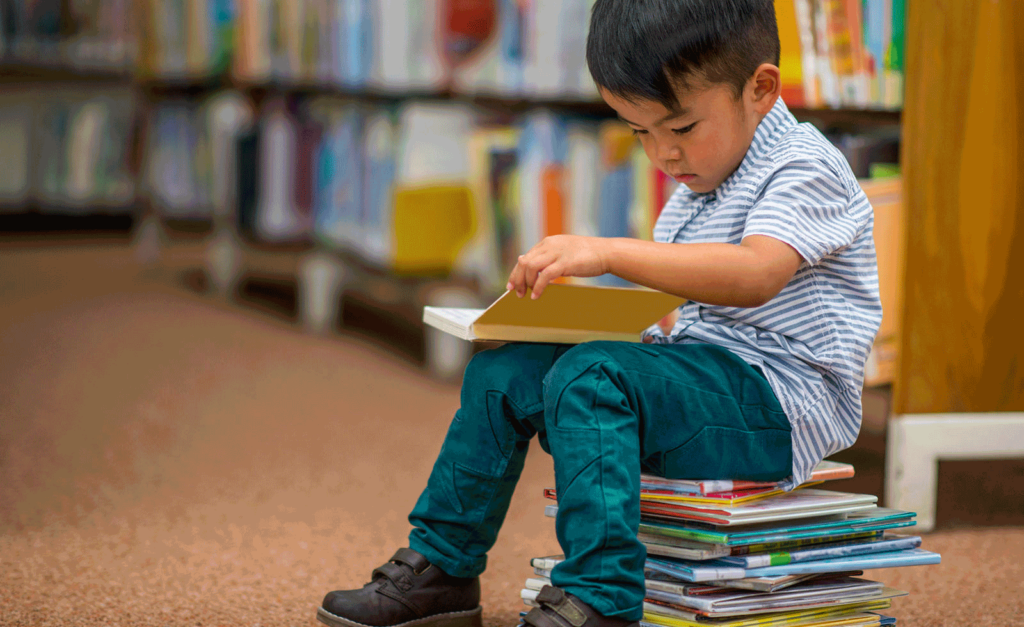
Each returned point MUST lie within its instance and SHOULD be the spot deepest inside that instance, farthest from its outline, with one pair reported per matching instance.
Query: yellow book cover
(790, 56)
(431, 225)
(564, 314)
(718, 500)
(847, 616)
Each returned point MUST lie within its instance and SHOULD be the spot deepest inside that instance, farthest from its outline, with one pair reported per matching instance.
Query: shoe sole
(471, 618)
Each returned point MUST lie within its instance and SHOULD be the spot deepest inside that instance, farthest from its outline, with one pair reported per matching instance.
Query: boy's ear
(767, 87)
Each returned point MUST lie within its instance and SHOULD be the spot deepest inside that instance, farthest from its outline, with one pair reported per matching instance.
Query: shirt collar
(767, 134)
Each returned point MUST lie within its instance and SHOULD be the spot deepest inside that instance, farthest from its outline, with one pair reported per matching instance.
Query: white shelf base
(321, 282)
(224, 262)
(916, 443)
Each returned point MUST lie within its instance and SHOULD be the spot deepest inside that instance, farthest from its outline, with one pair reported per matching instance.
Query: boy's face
(703, 142)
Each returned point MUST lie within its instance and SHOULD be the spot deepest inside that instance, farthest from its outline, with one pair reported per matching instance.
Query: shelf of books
(66, 109)
(407, 149)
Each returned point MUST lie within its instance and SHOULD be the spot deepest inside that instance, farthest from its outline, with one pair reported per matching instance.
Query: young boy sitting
(769, 237)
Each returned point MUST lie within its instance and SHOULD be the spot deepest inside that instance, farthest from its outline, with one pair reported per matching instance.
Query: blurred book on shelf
(844, 53)
(91, 35)
(66, 150)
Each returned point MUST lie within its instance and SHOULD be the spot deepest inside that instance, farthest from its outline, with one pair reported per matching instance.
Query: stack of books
(744, 554)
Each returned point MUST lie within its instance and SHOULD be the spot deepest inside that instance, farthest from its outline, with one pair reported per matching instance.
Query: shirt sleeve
(805, 205)
(655, 333)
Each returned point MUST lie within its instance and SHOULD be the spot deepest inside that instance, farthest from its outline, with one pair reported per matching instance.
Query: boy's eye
(637, 131)
(686, 129)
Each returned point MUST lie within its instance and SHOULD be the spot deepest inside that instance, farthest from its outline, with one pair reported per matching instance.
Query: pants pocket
(726, 453)
(468, 491)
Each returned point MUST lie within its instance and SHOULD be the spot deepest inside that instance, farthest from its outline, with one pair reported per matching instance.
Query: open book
(564, 314)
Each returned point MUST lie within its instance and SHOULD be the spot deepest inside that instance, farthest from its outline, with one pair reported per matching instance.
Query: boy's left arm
(804, 213)
(746, 275)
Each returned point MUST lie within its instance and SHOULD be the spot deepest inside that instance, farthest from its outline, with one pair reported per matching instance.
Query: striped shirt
(812, 340)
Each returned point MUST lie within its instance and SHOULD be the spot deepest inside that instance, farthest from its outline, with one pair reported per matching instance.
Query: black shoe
(557, 608)
(408, 591)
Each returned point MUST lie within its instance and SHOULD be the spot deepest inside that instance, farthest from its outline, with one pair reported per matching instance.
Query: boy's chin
(700, 187)
(697, 184)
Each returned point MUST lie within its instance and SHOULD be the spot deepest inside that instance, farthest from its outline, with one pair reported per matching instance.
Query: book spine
(697, 603)
(677, 589)
(839, 49)
(771, 546)
(894, 559)
(546, 563)
(855, 26)
(808, 53)
(790, 53)
(529, 596)
(828, 79)
(536, 583)
(695, 573)
(894, 61)
(810, 555)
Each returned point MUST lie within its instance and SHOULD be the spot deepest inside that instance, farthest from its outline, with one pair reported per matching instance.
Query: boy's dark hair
(639, 49)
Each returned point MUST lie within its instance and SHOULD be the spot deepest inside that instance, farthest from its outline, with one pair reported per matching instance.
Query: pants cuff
(453, 567)
(604, 606)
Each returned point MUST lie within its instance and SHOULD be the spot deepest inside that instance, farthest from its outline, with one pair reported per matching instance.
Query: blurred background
(220, 221)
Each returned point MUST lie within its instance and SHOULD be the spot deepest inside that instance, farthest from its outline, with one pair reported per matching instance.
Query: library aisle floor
(168, 460)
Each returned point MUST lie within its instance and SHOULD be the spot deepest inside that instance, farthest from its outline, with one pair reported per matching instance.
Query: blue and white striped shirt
(812, 340)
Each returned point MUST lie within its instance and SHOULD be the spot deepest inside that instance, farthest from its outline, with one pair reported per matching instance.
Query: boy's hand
(555, 256)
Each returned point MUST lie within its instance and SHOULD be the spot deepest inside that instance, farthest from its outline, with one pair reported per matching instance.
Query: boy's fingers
(519, 276)
(515, 280)
(534, 267)
(531, 278)
(538, 288)
(546, 275)
(524, 281)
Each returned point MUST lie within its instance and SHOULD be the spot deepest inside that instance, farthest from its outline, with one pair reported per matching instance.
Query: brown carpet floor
(168, 460)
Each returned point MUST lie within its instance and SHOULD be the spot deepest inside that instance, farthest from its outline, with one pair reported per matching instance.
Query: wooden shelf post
(961, 358)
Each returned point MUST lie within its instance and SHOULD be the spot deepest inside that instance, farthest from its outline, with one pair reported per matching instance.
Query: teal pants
(604, 411)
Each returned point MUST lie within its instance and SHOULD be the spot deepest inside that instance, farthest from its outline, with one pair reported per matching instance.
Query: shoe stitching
(398, 595)
(562, 605)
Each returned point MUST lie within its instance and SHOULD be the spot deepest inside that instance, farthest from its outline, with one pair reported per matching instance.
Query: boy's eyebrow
(671, 116)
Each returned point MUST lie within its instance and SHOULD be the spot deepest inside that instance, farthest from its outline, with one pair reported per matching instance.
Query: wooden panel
(886, 197)
(962, 340)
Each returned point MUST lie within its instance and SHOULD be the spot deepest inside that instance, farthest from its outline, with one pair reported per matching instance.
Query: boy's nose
(668, 151)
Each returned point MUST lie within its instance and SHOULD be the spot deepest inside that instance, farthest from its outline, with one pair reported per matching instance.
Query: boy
(769, 237)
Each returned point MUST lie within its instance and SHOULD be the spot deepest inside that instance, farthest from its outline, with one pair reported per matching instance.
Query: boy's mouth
(683, 178)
